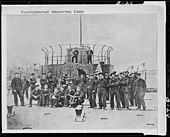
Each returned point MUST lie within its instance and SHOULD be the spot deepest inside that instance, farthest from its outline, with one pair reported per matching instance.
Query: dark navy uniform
(35, 95)
(25, 86)
(101, 85)
(91, 92)
(32, 83)
(50, 82)
(45, 96)
(124, 89)
(107, 87)
(89, 56)
(82, 84)
(140, 89)
(43, 82)
(75, 55)
(79, 97)
(131, 90)
(114, 91)
(16, 85)
(54, 82)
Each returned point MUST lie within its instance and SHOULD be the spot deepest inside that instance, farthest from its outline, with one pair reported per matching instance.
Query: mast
(81, 31)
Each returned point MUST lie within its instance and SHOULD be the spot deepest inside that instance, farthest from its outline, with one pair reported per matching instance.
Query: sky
(132, 36)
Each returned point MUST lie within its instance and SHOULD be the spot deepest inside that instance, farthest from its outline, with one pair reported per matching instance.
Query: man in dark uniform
(101, 85)
(32, 81)
(63, 81)
(35, 95)
(132, 79)
(113, 84)
(25, 85)
(75, 55)
(50, 81)
(43, 81)
(81, 71)
(91, 91)
(55, 81)
(82, 83)
(107, 78)
(140, 89)
(125, 84)
(121, 90)
(79, 96)
(16, 85)
(45, 95)
(89, 56)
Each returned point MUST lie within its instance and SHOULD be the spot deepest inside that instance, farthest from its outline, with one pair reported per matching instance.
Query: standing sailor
(32, 81)
(107, 78)
(114, 83)
(16, 85)
(101, 85)
(91, 91)
(140, 89)
(124, 83)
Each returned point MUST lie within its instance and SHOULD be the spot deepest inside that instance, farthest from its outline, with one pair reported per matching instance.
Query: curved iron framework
(98, 56)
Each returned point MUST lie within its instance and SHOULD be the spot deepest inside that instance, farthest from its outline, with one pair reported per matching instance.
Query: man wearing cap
(16, 85)
(113, 84)
(91, 91)
(140, 89)
(101, 85)
(35, 95)
(43, 81)
(32, 81)
(25, 85)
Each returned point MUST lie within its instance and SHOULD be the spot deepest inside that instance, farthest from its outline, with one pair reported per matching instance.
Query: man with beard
(35, 95)
(16, 85)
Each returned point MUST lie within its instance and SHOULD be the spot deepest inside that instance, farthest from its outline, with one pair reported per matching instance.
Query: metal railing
(52, 56)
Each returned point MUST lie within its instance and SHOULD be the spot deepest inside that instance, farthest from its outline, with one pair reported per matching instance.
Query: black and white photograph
(74, 68)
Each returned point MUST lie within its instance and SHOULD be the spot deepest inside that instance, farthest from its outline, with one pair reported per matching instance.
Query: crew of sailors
(127, 89)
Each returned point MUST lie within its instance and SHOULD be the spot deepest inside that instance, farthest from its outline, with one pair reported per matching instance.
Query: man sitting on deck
(35, 95)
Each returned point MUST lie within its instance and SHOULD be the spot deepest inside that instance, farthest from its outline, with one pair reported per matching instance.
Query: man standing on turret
(75, 55)
(89, 56)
